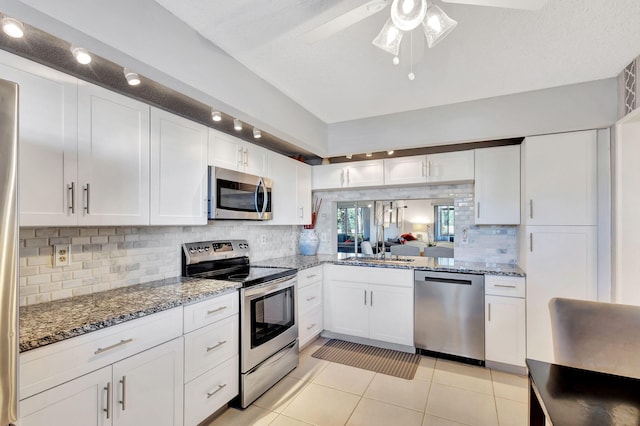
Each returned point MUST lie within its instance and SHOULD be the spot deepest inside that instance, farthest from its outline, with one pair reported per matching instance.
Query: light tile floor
(443, 393)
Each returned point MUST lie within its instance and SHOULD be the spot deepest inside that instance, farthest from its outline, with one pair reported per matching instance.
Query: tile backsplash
(103, 258)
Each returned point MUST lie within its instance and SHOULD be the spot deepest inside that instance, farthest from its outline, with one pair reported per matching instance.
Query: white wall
(576, 107)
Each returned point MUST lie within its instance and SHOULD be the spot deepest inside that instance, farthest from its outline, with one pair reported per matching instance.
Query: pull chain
(411, 75)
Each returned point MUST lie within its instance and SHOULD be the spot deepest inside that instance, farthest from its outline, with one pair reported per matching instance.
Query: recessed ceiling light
(390, 152)
(257, 134)
(132, 77)
(368, 154)
(216, 116)
(82, 55)
(237, 124)
(12, 27)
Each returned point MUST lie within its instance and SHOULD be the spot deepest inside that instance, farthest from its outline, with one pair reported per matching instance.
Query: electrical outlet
(263, 239)
(61, 254)
(465, 236)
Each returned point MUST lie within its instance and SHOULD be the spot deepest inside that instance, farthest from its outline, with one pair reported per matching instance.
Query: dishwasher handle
(447, 281)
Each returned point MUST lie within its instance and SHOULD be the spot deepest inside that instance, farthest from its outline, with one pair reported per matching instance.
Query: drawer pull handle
(221, 308)
(311, 276)
(309, 299)
(311, 326)
(115, 345)
(220, 387)
(504, 286)
(220, 343)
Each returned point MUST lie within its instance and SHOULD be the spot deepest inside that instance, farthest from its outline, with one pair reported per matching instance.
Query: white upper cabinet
(291, 192)
(350, 175)
(48, 143)
(178, 170)
(113, 158)
(560, 179)
(405, 170)
(497, 185)
(450, 167)
(229, 152)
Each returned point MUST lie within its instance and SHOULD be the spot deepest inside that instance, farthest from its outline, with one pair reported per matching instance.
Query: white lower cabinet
(140, 390)
(369, 302)
(505, 327)
(310, 304)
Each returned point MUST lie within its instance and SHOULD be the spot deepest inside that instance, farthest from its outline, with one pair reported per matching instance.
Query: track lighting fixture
(390, 152)
(81, 55)
(349, 156)
(237, 124)
(216, 116)
(368, 154)
(132, 77)
(12, 27)
(257, 134)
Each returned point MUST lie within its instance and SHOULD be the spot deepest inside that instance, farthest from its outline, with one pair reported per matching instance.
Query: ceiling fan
(407, 15)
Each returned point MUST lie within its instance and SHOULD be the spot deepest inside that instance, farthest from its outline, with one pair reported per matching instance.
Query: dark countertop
(419, 263)
(51, 322)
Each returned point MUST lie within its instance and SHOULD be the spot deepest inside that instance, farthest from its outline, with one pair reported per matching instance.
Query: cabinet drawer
(211, 310)
(46, 367)
(209, 346)
(310, 325)
(309, 276)
(394, 277)
(207, 393)
(309, 297)
(499, 285)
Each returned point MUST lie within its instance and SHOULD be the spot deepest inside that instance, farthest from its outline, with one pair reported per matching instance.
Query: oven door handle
(270, 287)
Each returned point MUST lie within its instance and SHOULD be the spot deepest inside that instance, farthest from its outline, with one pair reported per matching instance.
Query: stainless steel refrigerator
(8, 252)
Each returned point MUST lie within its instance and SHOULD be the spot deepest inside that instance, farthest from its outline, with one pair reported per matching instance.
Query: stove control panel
(214, 250)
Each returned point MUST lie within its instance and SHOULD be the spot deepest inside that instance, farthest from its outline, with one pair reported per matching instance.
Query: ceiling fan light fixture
(437, 25)
(389, 38)
(408, 14)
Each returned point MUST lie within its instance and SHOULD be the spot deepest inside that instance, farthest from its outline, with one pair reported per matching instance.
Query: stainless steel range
(268, 311)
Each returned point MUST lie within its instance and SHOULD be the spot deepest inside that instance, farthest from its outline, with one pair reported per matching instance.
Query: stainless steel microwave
(238, 195)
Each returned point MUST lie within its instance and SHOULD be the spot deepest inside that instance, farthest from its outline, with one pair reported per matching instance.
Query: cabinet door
(148, 387)
(328, 176)
(497, 185)
(113, 158)
(178, 170)
(48, 143)
(347, 308)
(365, 173)
(560, 179)
(224, 151)
(561, 261)
(255, 160)
(505, 330)
(282, 171)
(391, 317)
(405, 170)
(450, 167)
(303, 193)
(82, 401)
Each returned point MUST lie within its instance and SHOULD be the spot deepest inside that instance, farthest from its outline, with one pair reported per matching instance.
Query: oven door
(268, 320)
(237, 195)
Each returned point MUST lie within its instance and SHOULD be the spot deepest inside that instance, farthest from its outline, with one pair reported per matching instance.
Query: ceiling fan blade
(508, 4)
(344, 21)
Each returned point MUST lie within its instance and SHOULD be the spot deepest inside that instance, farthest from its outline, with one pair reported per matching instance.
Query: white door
(405, 170)
(178, 170)
(391, 316)
(450, 166)
(224, 151)
(560, 179)
(329, 176)
(303, 193)
(48, 143)
(148, 387)
(284, 203)
(347, 308)
(82, 401)
(113, 158)
(497, 185)
(505, 330)
(561, 262)
(365, 173)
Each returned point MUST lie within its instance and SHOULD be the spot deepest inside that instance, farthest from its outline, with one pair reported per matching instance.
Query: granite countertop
(51, 322)
(418, 262)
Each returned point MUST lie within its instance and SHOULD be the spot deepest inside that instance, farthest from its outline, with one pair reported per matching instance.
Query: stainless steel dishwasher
(449, 314)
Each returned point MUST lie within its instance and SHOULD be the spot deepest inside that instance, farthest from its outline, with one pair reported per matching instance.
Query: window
(444, 223)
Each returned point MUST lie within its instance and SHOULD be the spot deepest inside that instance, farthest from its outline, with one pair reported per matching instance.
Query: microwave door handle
(265, 199)
(255, 198)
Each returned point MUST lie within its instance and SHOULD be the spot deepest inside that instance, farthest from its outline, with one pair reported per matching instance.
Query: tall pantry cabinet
(559, 251)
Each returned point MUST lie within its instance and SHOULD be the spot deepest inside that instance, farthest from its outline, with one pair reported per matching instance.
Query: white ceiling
(492, 51)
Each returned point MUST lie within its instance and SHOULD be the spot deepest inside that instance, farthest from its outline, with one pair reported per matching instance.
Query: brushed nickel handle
(221, 308)
(301, 212)
(115, 345)
(220, 343)
(72, 188)
(365, 298)
(429, 168)
(531, 209)
(478, 209)
(311, 276)
(108, 409)
(504, 286)
(220, 387)
(123, 381)
(489, 312)
(371, 299)
(423, 169)
(311, 326)
(240, 156)
(348, 177)
(246, 157)
(87, 191)
(309, 299)
(530, 242)
(342, 177)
